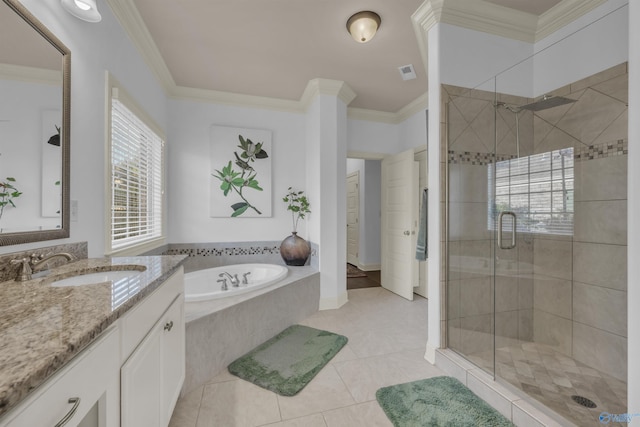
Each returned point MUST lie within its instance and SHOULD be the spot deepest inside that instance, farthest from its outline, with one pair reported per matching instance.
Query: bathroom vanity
(101, 354)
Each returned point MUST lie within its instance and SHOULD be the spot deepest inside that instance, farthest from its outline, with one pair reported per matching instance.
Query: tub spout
(244, 278)
(235, 282)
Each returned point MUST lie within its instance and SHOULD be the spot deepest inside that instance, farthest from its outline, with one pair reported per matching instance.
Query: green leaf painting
(240, 175)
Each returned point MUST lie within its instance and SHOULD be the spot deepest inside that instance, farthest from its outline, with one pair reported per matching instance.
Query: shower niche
(536, 238)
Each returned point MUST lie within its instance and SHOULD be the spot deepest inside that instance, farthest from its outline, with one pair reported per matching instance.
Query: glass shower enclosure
(536, 237)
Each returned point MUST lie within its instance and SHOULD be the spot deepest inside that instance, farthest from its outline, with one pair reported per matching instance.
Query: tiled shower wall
(580, 283)
(568, 292)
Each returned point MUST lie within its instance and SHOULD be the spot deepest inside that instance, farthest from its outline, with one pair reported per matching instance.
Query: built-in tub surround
(216, 254)
(221, 330)
(44, 327)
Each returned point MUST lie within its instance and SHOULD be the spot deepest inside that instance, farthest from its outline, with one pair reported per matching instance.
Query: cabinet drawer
(138, 322)
(87, 377)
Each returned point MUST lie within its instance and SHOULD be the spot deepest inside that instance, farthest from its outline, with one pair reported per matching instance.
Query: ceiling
(274, 48)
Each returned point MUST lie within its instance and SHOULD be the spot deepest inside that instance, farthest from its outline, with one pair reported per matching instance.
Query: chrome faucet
(224, 286)
(32, 264)
(244, 278)
(235, 282)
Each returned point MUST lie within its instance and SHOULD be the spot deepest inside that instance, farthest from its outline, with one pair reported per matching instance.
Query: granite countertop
(44, 327)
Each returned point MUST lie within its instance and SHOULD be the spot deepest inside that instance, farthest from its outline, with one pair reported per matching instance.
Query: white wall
(189, 172)
(601, 40)
(412, 132)
(95, 48)
(372, 137)
(633, 191)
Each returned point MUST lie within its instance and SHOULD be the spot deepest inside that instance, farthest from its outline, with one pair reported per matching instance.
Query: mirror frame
(63, 232)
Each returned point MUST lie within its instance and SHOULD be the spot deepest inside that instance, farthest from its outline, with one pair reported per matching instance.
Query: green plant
(8, 192)
(298, 204)
(238, 181)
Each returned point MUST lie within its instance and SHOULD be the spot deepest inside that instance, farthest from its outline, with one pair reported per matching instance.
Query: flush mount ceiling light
(363, 25)
(83, 9)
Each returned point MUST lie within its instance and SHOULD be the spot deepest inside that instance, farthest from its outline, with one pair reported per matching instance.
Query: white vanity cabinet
(153, 337)
(130, 376)
(84, 393)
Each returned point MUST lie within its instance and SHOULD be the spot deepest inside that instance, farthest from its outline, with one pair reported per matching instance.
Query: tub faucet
(32, 264)
(244, 278)
(235, 282)
(224, 286)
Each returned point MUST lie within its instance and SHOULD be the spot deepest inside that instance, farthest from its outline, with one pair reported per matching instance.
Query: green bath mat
(287, 362)
(438, 401)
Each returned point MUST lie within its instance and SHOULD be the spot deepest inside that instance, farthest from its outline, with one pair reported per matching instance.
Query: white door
(353, 214)
(399, 270)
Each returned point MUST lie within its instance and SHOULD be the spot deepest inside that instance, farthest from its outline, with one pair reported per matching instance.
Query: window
(136, 176)
(537, 188)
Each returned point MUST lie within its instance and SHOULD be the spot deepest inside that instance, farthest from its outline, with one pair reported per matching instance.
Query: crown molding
(490, 18)
(336, 88)
(562, 14)
(372, 115)
(419, 104)
(31, 74)
(236, 99)
(127, 13)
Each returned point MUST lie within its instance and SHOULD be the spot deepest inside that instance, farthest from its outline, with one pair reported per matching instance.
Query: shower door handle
(513, 230)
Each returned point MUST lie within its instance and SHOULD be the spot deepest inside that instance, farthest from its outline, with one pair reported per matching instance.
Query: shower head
(547, 101)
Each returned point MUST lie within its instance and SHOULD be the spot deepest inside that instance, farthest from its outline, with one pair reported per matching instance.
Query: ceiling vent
(407, 72)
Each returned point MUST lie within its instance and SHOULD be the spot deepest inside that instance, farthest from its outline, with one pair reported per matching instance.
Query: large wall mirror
(35, 86)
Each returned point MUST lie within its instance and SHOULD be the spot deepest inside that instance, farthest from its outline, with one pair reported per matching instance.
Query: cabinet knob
(168, 325)
(406, 233)
(76, 402)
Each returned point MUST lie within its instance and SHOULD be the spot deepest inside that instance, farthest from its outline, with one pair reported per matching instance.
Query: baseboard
(369, 267)
(430, 354)
(333, 303)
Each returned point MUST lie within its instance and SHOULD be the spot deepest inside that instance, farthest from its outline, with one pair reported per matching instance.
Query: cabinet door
(89, 379)
(140, 383)
(173, 357)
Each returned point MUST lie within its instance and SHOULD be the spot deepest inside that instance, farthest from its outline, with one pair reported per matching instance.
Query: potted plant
(294, 249)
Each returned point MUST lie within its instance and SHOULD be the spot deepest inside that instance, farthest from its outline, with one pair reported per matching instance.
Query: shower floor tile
(552, 378)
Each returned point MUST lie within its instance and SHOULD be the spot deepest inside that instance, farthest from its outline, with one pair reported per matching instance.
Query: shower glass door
(471, 154)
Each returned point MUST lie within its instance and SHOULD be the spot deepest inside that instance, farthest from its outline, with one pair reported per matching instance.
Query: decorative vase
(295, 250)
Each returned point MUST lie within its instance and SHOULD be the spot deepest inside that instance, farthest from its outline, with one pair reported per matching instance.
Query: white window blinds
(136, 179)
(538, 189)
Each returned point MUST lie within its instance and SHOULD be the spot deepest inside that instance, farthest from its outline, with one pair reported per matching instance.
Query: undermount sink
(98, 277)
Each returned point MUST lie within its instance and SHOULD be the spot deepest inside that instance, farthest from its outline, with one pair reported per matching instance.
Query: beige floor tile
(224, 376)
(343, 355)
(325, 392)
(364, 377)
(237, 404)
(185, 413)
(315, 420)
(368, 414)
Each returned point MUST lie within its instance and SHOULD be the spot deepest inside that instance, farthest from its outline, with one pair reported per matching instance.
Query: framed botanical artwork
(240, 176)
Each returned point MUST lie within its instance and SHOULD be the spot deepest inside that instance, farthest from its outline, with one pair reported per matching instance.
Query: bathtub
(203, 285)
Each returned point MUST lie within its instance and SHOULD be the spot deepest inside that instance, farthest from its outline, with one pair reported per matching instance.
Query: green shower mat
(288, 362)
(438, 401)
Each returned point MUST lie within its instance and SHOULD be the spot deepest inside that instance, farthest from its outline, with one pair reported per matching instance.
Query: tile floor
(387, 337)
(552, 378)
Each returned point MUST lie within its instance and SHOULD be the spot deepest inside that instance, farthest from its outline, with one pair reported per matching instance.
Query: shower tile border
(619, 147)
